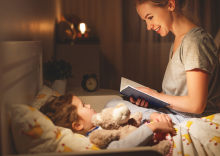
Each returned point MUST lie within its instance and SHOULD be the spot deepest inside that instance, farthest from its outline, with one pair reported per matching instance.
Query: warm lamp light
(82, 28)
(71, 25)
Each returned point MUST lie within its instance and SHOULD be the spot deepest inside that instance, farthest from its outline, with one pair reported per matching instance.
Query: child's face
(85, 112)
(156, 18)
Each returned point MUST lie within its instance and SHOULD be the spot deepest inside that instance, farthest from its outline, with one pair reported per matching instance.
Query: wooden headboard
(21, 79)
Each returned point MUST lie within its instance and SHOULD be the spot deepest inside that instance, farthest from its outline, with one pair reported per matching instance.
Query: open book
(127, 88)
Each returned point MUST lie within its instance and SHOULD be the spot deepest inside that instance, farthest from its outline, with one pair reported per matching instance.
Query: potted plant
(57, 72)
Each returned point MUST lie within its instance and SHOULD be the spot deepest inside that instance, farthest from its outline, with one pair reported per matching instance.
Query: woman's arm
(195, 101)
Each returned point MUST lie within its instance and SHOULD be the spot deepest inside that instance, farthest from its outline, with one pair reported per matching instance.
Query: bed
(21, 86)
(21, 81)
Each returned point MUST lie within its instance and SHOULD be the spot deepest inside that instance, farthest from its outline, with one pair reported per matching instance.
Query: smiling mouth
(157, 29)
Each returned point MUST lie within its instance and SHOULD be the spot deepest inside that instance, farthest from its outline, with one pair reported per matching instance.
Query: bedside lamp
(82, 28)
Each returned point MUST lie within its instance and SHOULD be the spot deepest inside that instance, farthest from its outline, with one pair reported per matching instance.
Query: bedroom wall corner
(26, 20)
(1, 98)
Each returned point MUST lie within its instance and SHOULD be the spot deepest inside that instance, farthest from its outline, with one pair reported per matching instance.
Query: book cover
(127, 88)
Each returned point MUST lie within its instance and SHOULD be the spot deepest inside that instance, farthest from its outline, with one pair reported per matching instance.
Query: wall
(30, 20)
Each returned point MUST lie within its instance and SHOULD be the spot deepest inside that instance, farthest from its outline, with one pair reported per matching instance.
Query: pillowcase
(43, 96)
(33, 132)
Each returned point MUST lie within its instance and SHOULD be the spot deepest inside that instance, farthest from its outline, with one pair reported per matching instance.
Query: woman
(190, 83)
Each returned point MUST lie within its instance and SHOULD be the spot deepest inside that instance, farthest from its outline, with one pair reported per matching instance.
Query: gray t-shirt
(197, 50)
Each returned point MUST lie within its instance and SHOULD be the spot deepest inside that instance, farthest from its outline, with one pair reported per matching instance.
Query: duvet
(198, 136)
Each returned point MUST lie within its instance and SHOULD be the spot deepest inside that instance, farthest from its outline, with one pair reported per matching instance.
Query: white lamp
(82, 28)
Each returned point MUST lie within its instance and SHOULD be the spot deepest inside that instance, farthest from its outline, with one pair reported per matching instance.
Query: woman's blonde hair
(179, 3)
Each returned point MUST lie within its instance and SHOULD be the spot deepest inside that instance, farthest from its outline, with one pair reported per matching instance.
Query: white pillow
(33, 132)
(43, 96)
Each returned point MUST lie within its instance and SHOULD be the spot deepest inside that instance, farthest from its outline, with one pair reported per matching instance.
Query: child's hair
(61, 111)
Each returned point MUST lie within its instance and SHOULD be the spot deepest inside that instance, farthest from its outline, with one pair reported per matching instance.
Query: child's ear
(77, 126)
(171, 5)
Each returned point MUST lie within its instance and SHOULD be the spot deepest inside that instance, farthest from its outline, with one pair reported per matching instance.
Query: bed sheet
(198, 136)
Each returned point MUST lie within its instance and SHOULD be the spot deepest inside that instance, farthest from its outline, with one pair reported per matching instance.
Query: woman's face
(156, 18)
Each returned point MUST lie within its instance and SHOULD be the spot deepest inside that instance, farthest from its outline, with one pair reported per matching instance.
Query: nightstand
(97, 99)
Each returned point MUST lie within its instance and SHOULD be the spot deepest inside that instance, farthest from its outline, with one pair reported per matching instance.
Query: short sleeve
(199, 51)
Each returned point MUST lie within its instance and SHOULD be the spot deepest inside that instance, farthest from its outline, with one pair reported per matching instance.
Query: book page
(126, 82)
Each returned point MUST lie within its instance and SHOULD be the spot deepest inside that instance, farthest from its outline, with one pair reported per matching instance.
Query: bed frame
(21, 79)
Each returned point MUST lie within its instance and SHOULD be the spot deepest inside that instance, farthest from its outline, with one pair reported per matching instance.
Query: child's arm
(139, 137)
(142, 135)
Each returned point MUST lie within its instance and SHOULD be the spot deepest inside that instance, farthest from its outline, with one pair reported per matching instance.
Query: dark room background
(126, 47)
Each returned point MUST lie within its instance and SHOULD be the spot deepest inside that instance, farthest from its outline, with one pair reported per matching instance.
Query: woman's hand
(139, 102)
(162, 127)
(148, 91)
(157, 117)
(142, 102)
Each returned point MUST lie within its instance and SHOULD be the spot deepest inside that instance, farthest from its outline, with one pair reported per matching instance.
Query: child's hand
(157, 117)
(162, 127)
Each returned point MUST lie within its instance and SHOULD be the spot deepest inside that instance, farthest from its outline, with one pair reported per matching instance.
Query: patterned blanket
(197, 137)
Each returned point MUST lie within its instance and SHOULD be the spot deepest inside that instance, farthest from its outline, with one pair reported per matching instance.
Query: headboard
(21, 79)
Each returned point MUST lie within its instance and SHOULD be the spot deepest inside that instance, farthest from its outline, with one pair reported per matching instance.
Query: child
(70, 112)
